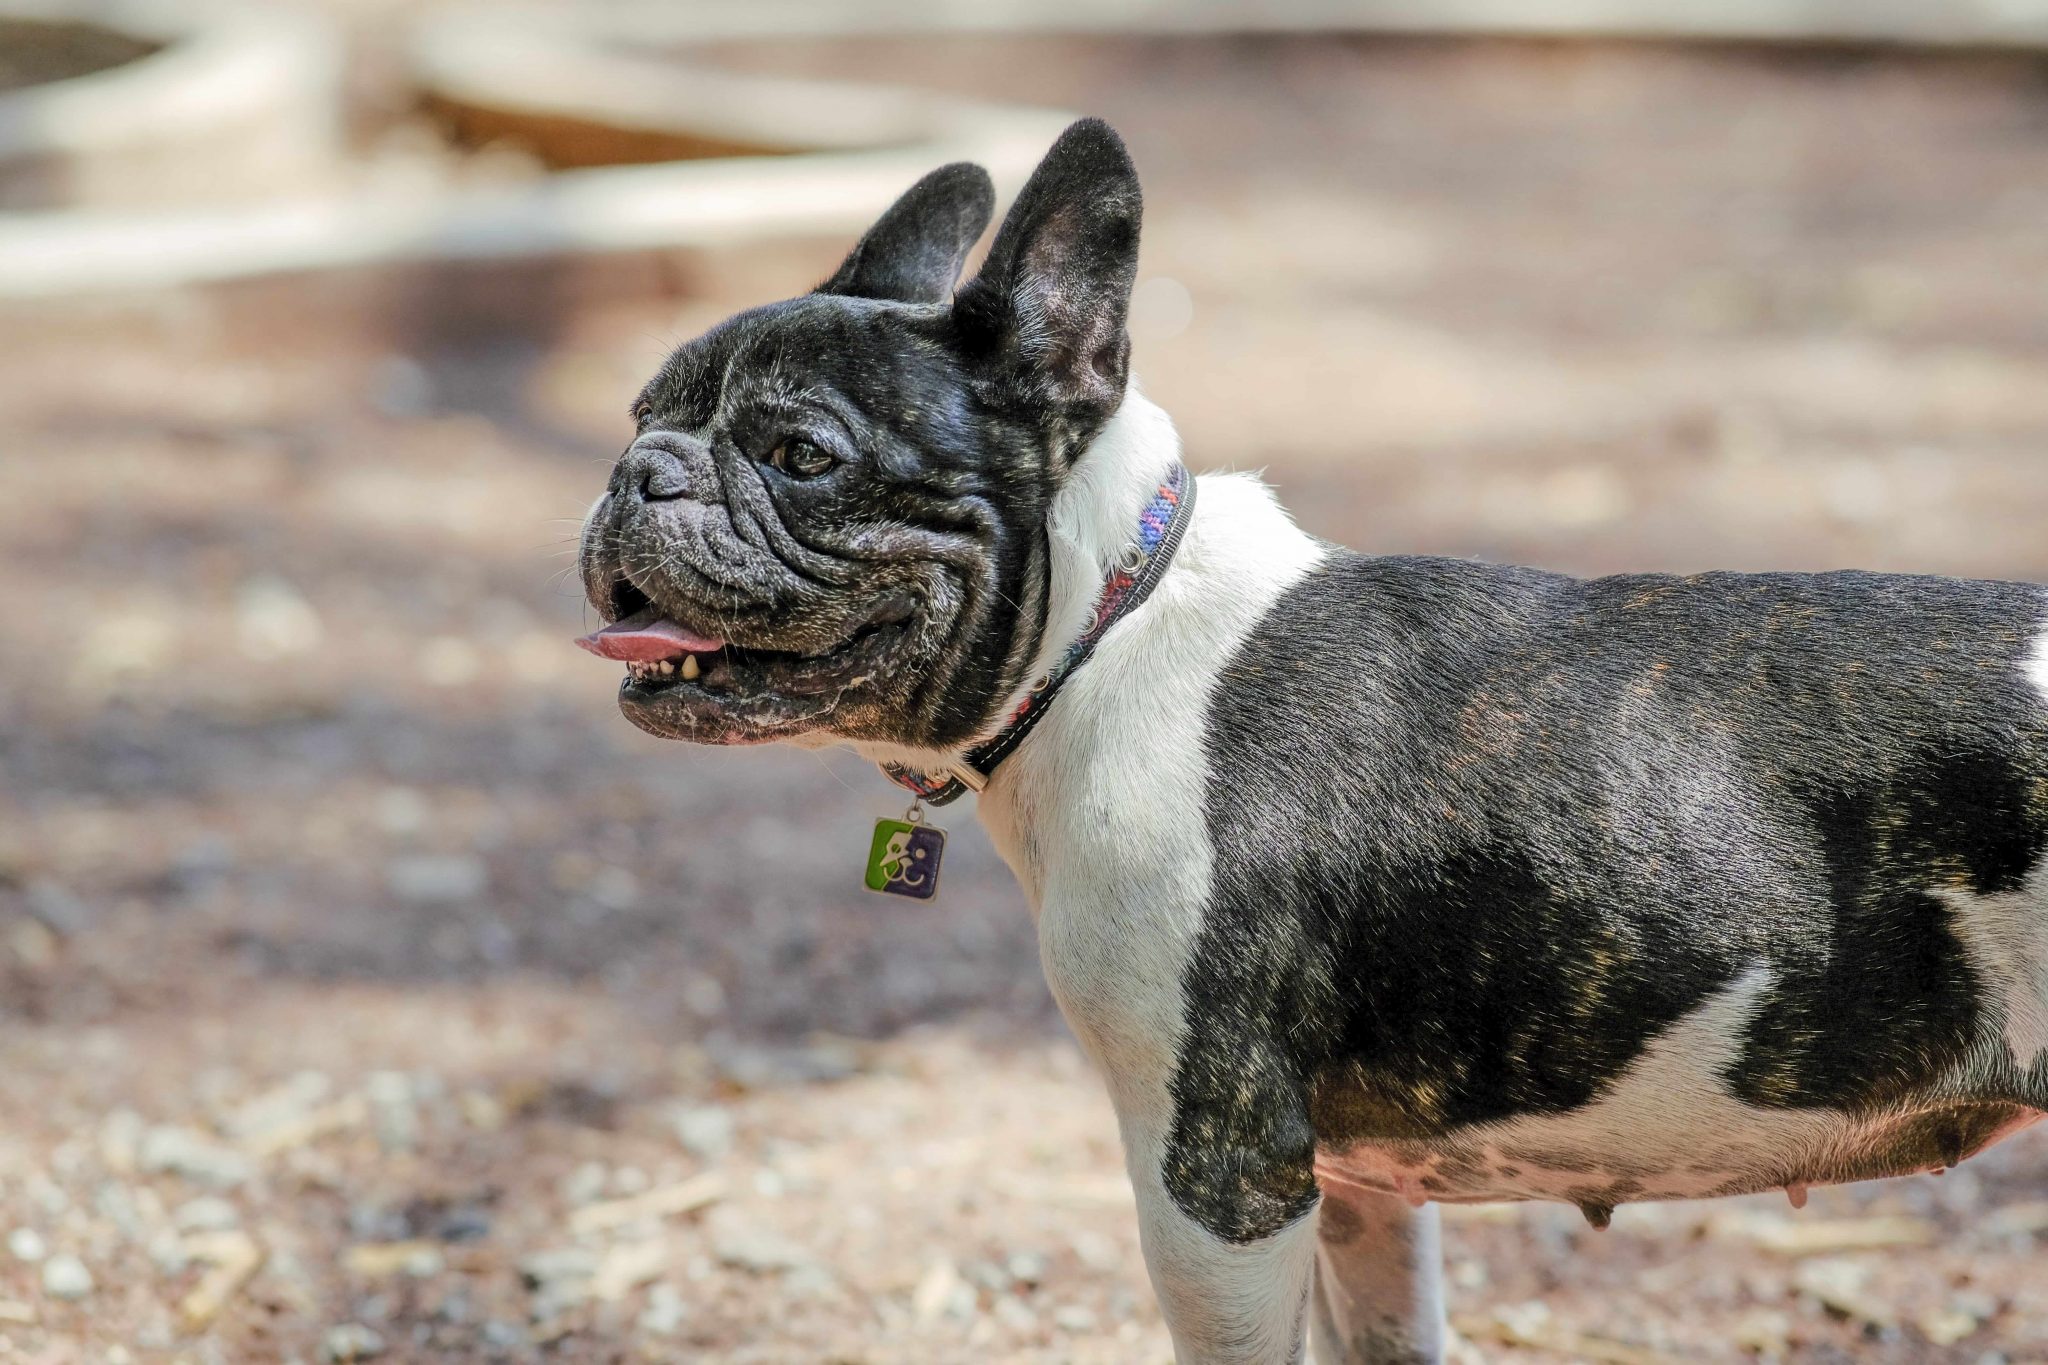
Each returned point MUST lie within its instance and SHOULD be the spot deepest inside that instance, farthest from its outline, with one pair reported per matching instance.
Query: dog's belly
(1576, 1161)
(1669, 1128)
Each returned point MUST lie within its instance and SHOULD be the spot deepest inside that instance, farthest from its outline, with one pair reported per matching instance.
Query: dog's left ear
(914, 252)
(1048, 309)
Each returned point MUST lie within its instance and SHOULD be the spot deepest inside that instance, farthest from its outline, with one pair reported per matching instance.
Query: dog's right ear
(914, 252)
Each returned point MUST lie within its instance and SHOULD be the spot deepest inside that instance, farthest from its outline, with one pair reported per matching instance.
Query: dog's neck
(1094, 519)
(1094, 516)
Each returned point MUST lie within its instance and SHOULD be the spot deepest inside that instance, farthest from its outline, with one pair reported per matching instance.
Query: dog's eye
(642, 410)
(800, 459)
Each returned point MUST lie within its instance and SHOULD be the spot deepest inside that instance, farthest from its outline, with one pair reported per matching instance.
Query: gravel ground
(368, 987)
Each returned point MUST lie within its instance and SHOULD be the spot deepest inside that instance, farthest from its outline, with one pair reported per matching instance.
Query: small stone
(766, 1068)
(166, 1251)
(505, 1336)
(586, 1184)
(402, 811)
(466, 1222)
(116, 1203)
(1026, 1267)
(556, 1297)
(705, 1130)
(1767, 1331)
(400, 387)
(181, 1151)
(809, 1282)
(758, 1251)
(284, 1107)
(60, 910)
(65, 1277)
(350, 1341)
(1096, 1251)
(481, 1111)
(934, 1292)
(393, 1113)
(121, 1134)
(274, 621)
(986, 1275)
(26, 1244)
(208, 1213)
(557, 1264)
(437, 879)
(1946, 1326)
(202, 862)
(1838, 1284)
(1074, 1318)
(665, 1312)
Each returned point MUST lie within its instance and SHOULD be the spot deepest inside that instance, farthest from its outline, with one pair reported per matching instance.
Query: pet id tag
(904, 858)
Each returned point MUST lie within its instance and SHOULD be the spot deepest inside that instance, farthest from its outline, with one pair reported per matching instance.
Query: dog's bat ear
(914, 252)
(1051, 302)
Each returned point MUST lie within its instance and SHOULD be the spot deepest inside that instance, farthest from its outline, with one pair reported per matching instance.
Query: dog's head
(832, 520)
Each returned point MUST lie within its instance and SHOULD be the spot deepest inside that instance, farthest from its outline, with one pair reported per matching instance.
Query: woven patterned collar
(1160, 528)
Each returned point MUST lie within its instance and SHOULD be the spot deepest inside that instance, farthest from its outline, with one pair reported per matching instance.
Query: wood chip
(2015, 1220)
(1946, 1326)
(934, 1291)
(234, 1257)
(380, 1260)
(350, 1112)
(1838, 1285)
(1823, 1236)
(1483, 1213)
(16, 1312)
(628, 1266)
(1527, 1330)
(665, 1201)
(1078, 1192)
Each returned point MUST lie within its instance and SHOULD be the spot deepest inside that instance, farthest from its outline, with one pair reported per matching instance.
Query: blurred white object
(232, 104)
(855, 146)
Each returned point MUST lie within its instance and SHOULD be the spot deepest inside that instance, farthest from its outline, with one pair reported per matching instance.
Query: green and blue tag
(904, 858)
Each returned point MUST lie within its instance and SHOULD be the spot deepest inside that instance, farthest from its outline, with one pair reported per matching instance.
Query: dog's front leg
(1379, 1286)
(1226, 1302)
(1216, 1136)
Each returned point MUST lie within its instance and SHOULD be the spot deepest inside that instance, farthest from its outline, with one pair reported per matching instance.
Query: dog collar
(1160, 528)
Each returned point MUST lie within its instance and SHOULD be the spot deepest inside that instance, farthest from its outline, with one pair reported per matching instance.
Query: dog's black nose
(657, 468)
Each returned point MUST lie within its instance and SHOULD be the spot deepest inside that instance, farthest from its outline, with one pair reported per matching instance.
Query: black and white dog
(1367, 881)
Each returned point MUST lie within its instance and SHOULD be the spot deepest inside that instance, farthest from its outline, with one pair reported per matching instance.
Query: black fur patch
(1546, 817)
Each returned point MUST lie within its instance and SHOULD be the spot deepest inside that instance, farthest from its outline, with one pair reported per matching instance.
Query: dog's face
(832, 519)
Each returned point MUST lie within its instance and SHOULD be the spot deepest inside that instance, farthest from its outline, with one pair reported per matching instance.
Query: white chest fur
(1101, 814)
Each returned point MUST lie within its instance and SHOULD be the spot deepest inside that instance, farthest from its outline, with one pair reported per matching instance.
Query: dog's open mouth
(686, 684)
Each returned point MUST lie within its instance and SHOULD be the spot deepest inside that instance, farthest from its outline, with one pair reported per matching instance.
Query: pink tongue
(647, 637)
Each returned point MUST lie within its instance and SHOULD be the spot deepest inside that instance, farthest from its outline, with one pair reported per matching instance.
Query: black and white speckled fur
(1371, 882)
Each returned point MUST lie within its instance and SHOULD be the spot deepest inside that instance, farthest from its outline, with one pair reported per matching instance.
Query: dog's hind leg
(1379, 1291)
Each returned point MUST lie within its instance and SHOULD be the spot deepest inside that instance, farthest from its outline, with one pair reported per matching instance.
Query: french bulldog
(1368, 882)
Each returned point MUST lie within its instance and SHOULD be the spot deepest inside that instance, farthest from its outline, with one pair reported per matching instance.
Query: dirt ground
(366, 984)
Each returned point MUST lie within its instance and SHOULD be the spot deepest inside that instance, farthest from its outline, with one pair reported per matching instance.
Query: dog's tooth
(690, 667)
(666, 667)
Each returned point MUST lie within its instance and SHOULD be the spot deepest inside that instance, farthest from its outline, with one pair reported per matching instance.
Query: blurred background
(369, 987)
